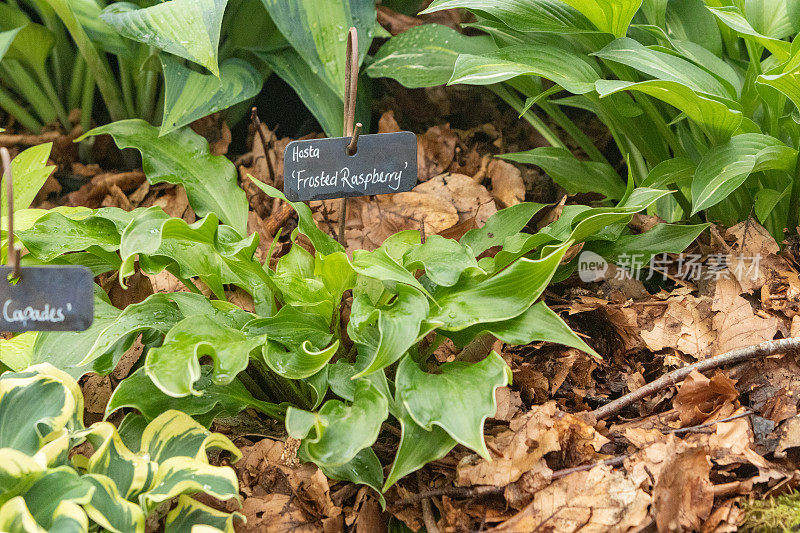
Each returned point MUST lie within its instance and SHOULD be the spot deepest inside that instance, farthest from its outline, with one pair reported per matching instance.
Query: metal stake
(350, 93)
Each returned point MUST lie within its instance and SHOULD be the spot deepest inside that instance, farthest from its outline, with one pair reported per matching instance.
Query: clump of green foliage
(701, 97)
(334, 381)
(778, 513)
(130, 475)
(176, 61)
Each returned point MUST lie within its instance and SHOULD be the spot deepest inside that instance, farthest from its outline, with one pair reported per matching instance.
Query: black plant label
(52, 298)
(321, 169)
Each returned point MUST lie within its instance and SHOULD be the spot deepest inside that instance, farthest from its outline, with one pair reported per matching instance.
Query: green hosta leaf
(180, 475)
(542, 60)
(30, 171)
(571, 173)
(139, 392)
(130, 472)
(336, 273)
(323, 243)
(33, 409)
(333, 436)
(500, 297)
(298, 363)
(776, 18)
(735, 20)
(318, 31)
(363, 469)
(55, 234)
(679, 171)
(418, 447)
(719, 119)
(611, 16)
(500, 225)
(31, 42)
(214, 253)
(110, 510)
(7, 37)
(524, 15)
(187, 28)
(663, 66)
(176, 434)
(785, 79)
(341, 376)
(378, 264)
(425, 55)
(725, 167)
(443, 260)
(459, 399)
(292, 327)
(174, 366)
(190, 514)
(663, 238)
(316, 94)
(538, 323)
(384, 334)
(107, 38)
(182, 157)
(191, 95)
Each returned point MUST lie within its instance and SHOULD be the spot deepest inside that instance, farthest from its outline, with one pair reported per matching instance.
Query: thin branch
(427, 509)
(673, 378)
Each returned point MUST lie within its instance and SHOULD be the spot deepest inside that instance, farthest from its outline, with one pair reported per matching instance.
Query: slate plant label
(53, 298)
(321, 169)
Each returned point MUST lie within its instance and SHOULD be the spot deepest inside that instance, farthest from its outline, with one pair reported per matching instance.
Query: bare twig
(673, 378)
(264, 143)
(278, 218)
(698, 429)
(427, 510)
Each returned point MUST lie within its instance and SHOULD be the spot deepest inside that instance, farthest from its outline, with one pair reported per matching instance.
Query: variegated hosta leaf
(139, 391)
(174, 366)
(176, 434)
(297, 363)
(500, 297)
(181, 475)
(17, 472)
(385, 333)
(34, 409)
(335, 434)
(538, 323)
(54, 500)
(190, 514)
(186, 28)
(336, 273)
(612, 16)
(16, 518)
(110, 510)
(182, 157)
(459, 399)
(130, 472)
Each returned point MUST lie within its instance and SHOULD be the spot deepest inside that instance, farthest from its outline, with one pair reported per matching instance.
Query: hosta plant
(334, 345)
(701, 97)
(173, 61)
(130, 475)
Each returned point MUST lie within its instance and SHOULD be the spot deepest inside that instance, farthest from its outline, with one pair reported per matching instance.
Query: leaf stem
(794, 206)
(20, 114)
(97, 64)
(537, 123)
